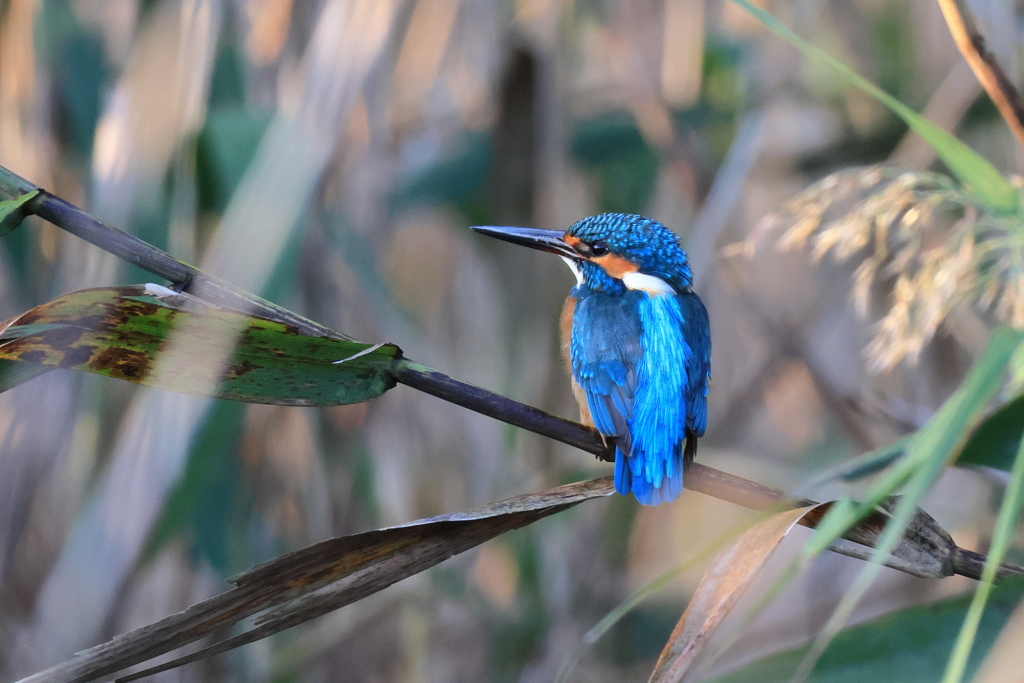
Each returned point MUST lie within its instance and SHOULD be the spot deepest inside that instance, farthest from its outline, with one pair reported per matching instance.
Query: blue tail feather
(651, 482)
(673, 488)
(644, 492)
(623, 477)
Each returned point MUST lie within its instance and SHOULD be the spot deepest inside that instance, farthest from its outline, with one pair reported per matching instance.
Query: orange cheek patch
(571, 241)
(616, 266)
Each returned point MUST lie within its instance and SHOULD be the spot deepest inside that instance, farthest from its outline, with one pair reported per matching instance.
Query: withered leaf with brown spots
(130, 334)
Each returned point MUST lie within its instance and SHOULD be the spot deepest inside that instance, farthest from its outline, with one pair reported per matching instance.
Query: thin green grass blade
(1009, 513)
(657, 584)
(862, 466)
(609, 620)
(972, 169)
(904, 512)
(725, 582)
(916, 543)
(945, 433)
(928, 452)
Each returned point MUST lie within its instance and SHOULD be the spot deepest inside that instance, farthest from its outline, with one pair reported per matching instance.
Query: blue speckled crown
(644, 241)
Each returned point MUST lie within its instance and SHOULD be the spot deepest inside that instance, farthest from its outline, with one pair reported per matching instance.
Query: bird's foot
(180, 287)
(609, 448)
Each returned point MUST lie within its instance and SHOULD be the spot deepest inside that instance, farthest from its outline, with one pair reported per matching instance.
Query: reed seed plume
(924, 244)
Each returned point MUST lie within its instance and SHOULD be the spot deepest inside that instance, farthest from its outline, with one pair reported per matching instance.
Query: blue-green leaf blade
(994, 442)
(13, 212)
(909, 646)
(973, 170)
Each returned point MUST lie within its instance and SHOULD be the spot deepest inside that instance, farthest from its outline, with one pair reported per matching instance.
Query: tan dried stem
(983, 63)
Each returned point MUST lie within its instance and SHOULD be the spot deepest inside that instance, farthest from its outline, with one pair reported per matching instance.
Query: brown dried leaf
(730, 574)
(311, 582)
(926, 550)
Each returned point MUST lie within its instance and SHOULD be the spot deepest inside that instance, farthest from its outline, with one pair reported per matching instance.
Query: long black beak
(545, 240)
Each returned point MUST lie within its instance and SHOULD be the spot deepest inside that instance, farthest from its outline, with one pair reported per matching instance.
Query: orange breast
(565, 327)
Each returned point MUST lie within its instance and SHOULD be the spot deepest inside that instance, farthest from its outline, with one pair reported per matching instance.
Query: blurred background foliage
(329, 155)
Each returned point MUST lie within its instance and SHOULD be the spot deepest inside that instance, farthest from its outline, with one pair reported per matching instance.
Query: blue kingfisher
(637, 342)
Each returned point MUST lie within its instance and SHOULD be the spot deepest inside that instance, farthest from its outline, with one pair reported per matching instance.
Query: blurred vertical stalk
(419, 61)
(154, 441)
(682, 62)
(158, 101)
(23, 139)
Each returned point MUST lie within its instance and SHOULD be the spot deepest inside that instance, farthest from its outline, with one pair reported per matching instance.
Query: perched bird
(638, 344)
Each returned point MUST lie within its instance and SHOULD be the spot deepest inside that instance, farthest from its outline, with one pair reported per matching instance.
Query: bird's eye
(598, 249)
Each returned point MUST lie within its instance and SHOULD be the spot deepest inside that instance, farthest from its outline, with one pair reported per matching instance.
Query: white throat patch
(648, 283)
(576, 270)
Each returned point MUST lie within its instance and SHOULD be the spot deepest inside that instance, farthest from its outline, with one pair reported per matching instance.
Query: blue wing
(643, 364)
(697, 333)
(604, 350)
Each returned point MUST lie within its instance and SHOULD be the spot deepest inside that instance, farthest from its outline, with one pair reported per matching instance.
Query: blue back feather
(643, 363)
